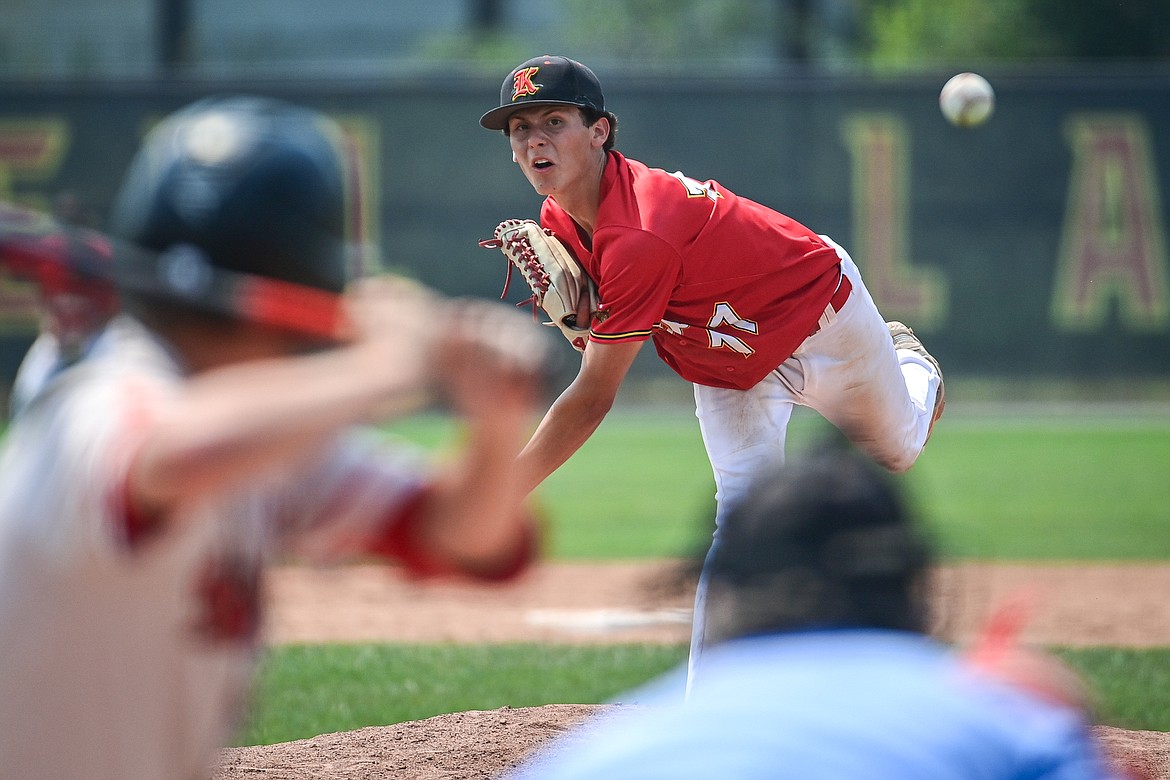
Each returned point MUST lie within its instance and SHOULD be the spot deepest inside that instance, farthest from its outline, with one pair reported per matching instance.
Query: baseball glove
(559, 285)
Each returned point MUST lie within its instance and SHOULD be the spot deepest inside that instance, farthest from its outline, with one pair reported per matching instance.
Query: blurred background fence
(1033, 247)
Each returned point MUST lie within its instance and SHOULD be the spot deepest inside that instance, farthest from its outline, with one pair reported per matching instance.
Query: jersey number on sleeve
(696, 188)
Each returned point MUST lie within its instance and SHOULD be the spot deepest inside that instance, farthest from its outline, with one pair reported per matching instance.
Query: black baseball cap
(545, 81)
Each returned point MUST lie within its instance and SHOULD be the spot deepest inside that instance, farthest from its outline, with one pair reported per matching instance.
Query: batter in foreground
(217, 426)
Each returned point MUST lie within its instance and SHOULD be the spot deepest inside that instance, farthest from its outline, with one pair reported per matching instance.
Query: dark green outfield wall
(1033, 246)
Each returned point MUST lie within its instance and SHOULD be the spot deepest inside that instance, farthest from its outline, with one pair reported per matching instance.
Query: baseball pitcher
(759, 312)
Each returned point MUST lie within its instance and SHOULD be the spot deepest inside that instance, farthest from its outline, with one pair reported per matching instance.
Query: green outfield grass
(310, 690)
(1048, 489)
(1008, 487)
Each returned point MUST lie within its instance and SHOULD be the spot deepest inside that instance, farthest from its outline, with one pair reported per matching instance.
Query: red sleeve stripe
(398, 541)
(633, 334)
(137, 524)
(134, 523)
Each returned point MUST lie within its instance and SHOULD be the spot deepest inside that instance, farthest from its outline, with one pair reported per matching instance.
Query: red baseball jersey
(726, 287)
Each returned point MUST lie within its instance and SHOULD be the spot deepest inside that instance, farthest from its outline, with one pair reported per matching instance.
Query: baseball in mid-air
(967, 100)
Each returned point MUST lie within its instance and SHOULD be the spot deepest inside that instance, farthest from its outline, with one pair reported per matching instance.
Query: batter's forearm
(234, 422)
(478, 514)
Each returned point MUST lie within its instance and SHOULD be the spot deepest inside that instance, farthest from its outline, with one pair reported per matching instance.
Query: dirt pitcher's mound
(479, 745)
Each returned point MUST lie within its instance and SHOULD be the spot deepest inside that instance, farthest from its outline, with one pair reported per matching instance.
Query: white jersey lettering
(725, 315)
(696, 188)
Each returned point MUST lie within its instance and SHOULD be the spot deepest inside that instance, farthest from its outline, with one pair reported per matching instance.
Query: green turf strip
(305, 690)
(1130, 685)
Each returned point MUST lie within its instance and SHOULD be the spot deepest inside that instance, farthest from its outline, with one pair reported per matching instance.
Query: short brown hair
(591, 115)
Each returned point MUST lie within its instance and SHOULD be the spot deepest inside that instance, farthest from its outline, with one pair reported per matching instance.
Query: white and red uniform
(126, 651)
(756, 310)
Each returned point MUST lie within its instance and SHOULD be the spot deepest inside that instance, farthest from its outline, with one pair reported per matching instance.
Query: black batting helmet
(239, 204)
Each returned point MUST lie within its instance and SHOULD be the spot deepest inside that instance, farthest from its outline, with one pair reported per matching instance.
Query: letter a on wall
(1113, 247)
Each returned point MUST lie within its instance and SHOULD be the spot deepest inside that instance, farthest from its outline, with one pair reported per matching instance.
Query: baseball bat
(35, 246)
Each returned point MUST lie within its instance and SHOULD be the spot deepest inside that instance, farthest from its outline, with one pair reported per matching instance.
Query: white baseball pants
(882, 399)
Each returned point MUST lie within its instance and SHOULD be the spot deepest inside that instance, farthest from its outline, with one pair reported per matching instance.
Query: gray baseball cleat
(904, 338)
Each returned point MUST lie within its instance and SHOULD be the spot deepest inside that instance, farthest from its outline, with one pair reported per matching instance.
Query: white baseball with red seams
(967, 100)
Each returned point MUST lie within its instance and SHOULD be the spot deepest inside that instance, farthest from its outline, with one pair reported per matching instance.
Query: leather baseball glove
(559, 285)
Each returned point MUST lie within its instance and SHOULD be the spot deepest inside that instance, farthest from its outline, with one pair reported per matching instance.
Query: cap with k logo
(545, 80)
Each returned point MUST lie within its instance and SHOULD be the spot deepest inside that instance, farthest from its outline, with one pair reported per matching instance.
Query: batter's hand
(491, 362)
(394, 315)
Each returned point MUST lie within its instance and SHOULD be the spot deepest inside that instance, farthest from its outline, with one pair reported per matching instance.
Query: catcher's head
(240, 202)
(551, 80)
(824, 541)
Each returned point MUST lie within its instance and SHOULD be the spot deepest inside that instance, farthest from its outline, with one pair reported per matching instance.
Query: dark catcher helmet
(827, 540)
(237, 205)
